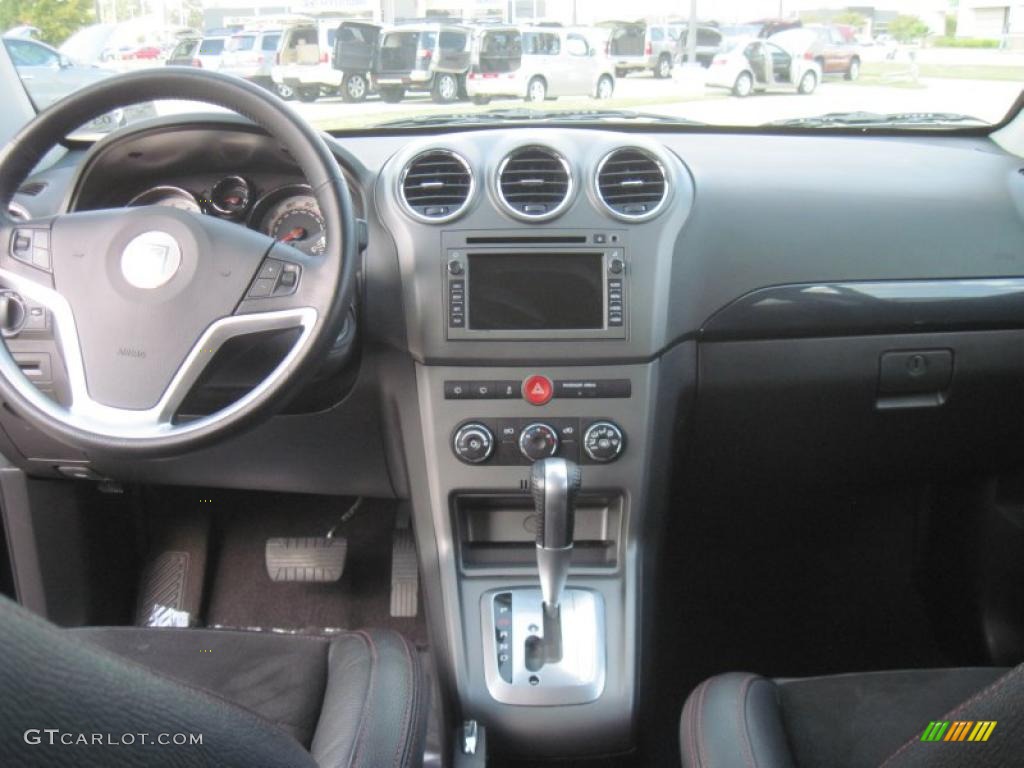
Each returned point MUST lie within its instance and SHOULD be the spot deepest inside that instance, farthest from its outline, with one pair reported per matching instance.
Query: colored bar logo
(959, 730)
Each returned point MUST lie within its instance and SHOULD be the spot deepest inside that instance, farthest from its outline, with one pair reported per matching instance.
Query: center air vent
(436, 186)
(632, 184)
(535, 183)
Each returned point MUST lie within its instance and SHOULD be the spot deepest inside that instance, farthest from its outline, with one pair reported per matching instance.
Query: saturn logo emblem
(150, 260)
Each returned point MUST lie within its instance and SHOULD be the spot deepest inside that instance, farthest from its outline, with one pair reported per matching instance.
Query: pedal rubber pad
(405, 575)
(162, 595)
(310, 559)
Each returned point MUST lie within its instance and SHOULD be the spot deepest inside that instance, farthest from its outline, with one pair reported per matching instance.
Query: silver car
(48, 74)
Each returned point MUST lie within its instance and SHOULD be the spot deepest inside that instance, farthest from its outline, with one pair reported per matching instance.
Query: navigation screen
(535, 291)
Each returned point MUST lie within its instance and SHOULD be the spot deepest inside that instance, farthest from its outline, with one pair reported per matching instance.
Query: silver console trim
(578, 678)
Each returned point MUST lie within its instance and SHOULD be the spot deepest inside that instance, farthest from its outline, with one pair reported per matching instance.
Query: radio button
(538, 390)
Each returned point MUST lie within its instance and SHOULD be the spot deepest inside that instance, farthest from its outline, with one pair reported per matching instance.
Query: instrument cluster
(288, 213)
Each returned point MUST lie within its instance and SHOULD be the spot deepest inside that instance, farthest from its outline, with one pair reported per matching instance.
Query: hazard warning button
(538, 390)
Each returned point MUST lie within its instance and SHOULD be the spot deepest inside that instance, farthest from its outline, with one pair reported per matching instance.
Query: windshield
(905, 65)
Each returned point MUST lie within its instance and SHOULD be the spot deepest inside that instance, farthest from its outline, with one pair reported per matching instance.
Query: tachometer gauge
(173, 197)
(296, 220)
(230, 196)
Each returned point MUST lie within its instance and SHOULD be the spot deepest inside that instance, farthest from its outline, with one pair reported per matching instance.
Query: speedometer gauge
(230, 196)
(172, 197)
(296, 220)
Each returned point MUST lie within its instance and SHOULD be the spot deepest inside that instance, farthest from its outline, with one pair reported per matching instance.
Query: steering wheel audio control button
(32, 246)
(538, 390)
(275, 278)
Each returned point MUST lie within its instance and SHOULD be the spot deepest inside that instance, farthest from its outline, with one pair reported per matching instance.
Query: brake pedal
(405, 574)
(309, 559)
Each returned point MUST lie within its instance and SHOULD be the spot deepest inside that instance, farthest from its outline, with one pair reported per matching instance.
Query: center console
(538, 343)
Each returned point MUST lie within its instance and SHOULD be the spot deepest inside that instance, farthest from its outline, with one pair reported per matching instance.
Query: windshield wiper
(877, 119)
(530, 115)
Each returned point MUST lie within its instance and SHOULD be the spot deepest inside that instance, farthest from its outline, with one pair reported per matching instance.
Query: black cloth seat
(352, 700)
(876, 718)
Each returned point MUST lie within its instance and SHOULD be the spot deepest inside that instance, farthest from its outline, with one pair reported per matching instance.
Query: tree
(850, 18)
(907, 28)
(56, 19)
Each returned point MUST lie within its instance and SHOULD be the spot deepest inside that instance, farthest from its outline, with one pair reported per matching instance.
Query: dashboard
(532, 248)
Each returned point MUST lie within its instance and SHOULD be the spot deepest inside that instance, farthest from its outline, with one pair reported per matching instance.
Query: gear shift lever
(554, 483)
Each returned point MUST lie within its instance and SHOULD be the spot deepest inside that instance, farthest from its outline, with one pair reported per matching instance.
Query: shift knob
(554, 483)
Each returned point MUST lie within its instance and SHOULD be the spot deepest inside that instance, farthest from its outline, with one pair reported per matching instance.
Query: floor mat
(242, 595)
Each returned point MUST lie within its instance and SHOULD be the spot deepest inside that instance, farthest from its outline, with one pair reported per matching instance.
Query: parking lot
(886, 87)
(982, 84)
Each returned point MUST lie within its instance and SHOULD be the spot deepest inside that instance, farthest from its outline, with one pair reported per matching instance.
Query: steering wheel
(141, 299)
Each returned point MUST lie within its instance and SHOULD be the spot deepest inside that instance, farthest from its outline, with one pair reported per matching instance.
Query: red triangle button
(538, 390)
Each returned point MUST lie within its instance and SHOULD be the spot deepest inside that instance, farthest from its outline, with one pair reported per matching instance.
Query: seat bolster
(50, 679)
(734, 721)
(375, 707)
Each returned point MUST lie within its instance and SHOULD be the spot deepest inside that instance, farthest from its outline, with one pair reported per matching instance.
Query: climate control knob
(603, 441)
(538, 441)
(473, 443)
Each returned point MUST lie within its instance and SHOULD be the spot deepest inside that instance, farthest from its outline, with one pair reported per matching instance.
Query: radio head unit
(539, 292)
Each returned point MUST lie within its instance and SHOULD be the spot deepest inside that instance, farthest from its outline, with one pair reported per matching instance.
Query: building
(992, 20)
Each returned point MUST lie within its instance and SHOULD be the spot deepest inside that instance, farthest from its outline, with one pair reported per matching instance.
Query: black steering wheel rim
(336, 271)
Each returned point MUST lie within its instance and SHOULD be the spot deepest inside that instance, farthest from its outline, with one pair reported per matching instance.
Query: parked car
(144, 53)
(834, 51)
(538, 63)
(432, 56)
(635, 47)
(354, 51)
(763, 28)
(709, 42)
(185, 53)
(210, 52)
(250, 54)
(48, 74)
(304, 60)
(751, 64)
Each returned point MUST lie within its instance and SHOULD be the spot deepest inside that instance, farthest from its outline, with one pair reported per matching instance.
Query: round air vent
(436, 186)
(534, 183)
(632, 184)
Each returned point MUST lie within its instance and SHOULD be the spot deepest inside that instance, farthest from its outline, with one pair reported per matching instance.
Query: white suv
(304, 60)
(552, 62)
(250, 54)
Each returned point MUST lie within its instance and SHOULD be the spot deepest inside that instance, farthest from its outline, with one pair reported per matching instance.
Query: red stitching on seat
(952, 714)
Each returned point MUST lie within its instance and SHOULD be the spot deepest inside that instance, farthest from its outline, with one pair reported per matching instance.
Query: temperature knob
(473, 443)
(603, 441)
(538, 441)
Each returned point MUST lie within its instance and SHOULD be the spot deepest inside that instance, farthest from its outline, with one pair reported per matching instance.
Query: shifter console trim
(510, 617)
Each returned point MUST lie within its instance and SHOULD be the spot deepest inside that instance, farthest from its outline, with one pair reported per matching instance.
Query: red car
(832, 47)
(145, 52)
